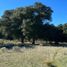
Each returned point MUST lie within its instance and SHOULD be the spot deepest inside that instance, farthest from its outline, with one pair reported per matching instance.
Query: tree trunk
(33, 41)
(22, 40)
(56, 43)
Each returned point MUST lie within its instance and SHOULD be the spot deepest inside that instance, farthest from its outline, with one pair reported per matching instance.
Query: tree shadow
(26, 45)
(10, 46)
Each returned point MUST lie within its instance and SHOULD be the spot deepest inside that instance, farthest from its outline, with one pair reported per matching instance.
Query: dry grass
(4, 41)
(33, 57)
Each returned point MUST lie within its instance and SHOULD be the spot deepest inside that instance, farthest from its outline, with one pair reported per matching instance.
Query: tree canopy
(25, 22)
(31, 23)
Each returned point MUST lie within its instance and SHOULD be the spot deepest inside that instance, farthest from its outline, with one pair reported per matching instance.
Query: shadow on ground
(10, 46)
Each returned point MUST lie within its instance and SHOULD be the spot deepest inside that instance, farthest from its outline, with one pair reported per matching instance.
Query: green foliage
(25, 22)
(31, 23)
(65, 28)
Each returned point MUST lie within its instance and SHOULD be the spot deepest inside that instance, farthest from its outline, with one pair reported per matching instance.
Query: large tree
(39, 14)
(26, 22)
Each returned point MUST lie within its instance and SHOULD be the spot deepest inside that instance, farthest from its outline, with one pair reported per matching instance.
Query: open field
(33, 57)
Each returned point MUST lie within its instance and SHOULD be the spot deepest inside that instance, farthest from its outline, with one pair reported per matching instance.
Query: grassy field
(38, 56)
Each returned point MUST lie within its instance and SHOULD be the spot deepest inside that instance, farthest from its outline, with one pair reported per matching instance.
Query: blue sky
(58, 6)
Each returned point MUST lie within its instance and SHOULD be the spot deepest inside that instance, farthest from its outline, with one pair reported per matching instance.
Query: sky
(59, 8)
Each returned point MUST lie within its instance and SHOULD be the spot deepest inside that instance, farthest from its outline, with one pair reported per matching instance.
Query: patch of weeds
(3, 49)
(50, 64)
(16, 49)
